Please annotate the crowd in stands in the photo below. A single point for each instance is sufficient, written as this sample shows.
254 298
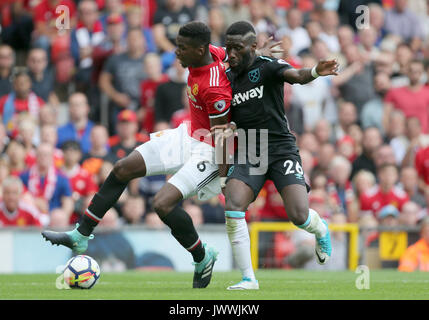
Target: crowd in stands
363 135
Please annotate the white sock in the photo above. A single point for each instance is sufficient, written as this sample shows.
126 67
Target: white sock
314 224
236 227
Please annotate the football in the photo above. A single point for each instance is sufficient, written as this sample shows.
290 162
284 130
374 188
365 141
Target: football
81 272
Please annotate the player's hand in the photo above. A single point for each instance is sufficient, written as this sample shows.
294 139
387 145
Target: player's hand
327 68
221 132
268 49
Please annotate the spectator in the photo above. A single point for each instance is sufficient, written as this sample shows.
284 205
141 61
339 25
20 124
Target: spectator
17 24
16 157
181 115
403 58
324 157
128 137
376 20
81 181
314 96
166 22
409 215
79 126
13 210
384 193
146 114
93 160
134 20
258 17
295 30
168 95
21 99
372 140
401 21
410 183
412 100
87 35
133 210
396 135
42 75
235 12
416 257
48 134
355 83
355 132
323 131
347 116
49 187
217 26
45 16
363 180
330 22
339 186
112 8
114 43
314 29
308 142
367 40
121 77
27 132
384 155
372 111
345 37
7 60
388 216
422 167
3 139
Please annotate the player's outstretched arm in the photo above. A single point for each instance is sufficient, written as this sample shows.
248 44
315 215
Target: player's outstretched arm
303 76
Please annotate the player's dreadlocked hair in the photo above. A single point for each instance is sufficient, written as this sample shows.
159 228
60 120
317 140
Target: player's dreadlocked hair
241 28
197 31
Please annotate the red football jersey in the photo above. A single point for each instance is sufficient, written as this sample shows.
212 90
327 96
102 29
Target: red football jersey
81 181
374 199
210 94
25 215
422 164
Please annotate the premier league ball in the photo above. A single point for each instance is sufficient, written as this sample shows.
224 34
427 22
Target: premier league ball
81 272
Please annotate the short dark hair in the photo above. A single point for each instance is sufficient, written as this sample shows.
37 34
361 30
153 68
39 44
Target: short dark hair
71 144
240 28
199 32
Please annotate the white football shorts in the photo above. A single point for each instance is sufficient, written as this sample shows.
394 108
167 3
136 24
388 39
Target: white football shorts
191 162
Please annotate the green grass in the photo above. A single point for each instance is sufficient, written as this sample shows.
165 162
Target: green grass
274 285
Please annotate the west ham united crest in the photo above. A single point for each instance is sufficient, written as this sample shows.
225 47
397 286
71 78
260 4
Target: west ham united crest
254 75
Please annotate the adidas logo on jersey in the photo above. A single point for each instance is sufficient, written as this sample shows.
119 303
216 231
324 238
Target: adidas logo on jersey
250 94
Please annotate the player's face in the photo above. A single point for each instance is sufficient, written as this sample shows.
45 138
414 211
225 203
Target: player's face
187 54
239 52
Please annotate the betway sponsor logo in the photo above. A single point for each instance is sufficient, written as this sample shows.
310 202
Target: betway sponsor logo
250 94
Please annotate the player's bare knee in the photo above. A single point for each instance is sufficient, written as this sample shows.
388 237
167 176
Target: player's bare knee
298 213
161 205
121 171
234 204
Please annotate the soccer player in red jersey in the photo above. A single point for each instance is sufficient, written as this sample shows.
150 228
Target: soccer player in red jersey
186 152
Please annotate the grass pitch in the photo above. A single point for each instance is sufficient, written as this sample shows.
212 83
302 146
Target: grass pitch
274 285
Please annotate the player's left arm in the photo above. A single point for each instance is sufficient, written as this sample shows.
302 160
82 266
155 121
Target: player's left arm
306 75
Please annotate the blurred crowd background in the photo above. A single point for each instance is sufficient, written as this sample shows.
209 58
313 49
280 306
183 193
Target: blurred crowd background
82 83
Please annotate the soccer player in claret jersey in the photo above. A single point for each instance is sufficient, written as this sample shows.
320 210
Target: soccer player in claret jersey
257 83
186 152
